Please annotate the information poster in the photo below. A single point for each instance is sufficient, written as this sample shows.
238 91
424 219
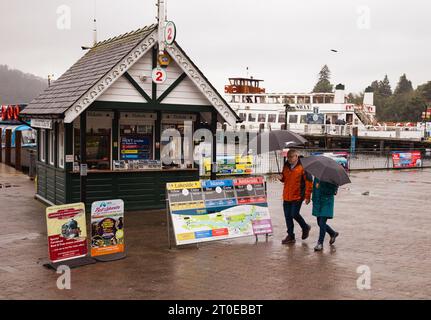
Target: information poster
250 190
226 209
407 159
219 194
136 147
107 227
186 198
67 233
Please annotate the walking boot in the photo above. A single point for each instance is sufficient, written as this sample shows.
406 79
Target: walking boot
306 232
288 240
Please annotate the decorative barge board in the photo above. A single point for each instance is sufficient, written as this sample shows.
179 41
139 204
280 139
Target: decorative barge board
110 94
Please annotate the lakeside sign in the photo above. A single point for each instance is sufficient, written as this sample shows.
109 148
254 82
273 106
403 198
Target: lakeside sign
67 232
211 210
107 227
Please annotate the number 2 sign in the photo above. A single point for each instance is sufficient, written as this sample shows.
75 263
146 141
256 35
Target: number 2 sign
170 32
159 75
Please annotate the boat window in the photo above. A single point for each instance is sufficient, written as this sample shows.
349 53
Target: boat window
281 117
251 117
303 118
261 117
293 118
243 116
28 137
272 118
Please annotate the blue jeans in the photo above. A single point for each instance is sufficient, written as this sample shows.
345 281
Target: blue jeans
324 228
291 211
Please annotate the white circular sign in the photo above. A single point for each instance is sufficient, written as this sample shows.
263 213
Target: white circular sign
159 75
218 190
185 192
249 187
315 117
170 32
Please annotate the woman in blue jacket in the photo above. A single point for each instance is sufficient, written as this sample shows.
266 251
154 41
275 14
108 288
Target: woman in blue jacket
323 209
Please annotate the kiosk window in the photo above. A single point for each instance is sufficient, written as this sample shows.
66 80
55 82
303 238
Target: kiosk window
51 146
98 147
42 150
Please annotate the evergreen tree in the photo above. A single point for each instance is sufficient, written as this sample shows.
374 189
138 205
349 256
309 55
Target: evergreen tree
404 85
385 87
324 84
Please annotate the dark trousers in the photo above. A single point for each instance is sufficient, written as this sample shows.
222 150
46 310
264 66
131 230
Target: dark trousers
324 228
291 212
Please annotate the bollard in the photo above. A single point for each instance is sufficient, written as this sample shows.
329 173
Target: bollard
18 150
8 140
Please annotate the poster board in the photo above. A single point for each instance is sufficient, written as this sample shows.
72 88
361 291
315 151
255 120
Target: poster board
224 209
411 159
107 227
67 232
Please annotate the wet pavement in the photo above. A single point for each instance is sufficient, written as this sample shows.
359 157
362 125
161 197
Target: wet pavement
384 223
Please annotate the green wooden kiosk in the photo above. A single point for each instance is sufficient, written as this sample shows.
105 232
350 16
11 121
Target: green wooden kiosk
105 115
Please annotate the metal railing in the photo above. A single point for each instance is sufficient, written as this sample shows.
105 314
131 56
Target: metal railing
362 159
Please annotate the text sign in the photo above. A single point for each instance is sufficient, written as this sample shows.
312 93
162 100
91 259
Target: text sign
107 227
41 123
159 75
170 33
67 232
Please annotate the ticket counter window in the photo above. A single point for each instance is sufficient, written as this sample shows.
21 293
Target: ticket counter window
98 138
136 142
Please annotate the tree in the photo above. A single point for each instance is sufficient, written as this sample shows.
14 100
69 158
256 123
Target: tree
404 85
425 90
323 84
385 87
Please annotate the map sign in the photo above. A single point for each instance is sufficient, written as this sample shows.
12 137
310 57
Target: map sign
107 227
67 233
218 209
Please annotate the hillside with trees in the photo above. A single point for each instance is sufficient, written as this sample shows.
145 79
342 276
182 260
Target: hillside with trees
17 87
404 104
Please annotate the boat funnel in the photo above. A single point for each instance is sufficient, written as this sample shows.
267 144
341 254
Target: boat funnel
339 93
369 97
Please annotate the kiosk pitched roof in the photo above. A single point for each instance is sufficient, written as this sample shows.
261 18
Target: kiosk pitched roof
85 73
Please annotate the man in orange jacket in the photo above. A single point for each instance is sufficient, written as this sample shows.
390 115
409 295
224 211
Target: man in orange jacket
298 186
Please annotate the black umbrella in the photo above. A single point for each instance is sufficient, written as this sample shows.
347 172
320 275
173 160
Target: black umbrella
325 169
275 140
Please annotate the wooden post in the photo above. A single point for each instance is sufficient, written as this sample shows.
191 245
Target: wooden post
214 146
8 145
18 150
83 154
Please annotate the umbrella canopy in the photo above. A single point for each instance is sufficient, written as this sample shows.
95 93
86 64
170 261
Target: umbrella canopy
275 140
325 169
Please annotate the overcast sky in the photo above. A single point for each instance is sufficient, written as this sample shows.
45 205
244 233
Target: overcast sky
283 42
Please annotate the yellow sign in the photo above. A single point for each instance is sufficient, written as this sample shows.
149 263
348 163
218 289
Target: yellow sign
183 185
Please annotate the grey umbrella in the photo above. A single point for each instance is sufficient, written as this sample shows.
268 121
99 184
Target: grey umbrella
275 140
325 169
